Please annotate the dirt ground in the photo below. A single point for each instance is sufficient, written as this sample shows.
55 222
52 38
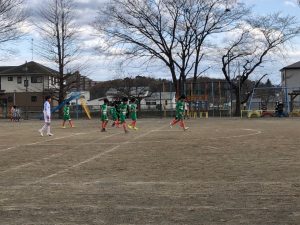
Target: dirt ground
220 171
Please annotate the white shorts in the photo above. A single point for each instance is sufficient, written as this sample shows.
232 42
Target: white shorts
47 120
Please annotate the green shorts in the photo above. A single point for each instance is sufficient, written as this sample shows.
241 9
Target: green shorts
122 118
179 116
104 118
67 118
133 116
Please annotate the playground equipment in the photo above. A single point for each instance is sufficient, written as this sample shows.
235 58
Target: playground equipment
85 107
268 102
74 96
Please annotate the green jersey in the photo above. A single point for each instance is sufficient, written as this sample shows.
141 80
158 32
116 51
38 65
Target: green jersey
123 112
104 112
179 109
133 108
66 112
113 113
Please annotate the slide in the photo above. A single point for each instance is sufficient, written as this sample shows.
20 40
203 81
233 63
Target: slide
85 107
75 96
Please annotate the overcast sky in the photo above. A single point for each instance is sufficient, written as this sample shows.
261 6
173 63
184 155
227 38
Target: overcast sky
100 68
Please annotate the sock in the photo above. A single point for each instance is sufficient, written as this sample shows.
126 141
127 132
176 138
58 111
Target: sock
133 123
44 128
48 129
181 124
174 122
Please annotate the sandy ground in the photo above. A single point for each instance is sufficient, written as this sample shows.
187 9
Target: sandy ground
220 171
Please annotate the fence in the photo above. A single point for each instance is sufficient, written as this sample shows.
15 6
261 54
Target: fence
212 98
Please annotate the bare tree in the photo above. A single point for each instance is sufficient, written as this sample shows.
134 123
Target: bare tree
173 32
259 39
59 40
12 16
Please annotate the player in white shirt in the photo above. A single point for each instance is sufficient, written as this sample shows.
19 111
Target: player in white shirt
47 117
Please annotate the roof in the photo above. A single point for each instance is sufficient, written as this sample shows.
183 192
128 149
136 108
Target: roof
163 95
32 69
3 68
292 66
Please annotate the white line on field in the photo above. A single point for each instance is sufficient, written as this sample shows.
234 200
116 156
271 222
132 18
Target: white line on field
40 142
89 159
31 163
46 158
75 165
256 132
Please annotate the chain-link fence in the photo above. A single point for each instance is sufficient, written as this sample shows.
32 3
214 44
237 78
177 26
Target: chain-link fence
209 98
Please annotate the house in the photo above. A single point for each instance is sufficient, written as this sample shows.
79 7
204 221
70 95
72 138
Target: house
153 102
26 86
290 76
77 82
290 79
128 91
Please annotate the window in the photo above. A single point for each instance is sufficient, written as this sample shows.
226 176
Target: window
166 102
36 79
33 98
10 99
10 78
19 80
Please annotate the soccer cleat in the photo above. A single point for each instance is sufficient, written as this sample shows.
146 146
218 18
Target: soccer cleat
130 126
103 130
171 126
49 134
41 132
63 127
186 128
135 128
126 131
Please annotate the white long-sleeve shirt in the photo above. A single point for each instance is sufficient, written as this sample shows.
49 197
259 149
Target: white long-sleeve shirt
47 109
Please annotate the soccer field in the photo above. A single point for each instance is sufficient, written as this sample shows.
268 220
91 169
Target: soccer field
220 171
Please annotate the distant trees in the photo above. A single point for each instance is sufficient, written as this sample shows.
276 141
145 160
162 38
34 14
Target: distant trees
12 16
175 33
59 40
255 42
129 87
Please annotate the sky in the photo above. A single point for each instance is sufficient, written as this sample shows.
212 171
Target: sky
98 67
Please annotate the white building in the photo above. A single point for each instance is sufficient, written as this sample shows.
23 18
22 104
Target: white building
290 78
26 86
166 99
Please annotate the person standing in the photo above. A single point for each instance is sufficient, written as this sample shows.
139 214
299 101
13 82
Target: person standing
114 115
179 113
47 117
133 107
123 112
67 115
104 117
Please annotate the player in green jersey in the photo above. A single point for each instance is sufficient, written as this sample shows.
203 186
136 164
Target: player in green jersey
123 108
133 107
114 114
104 117
67 115
179 113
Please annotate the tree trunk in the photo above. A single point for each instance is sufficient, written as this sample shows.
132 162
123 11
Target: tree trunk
238 102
